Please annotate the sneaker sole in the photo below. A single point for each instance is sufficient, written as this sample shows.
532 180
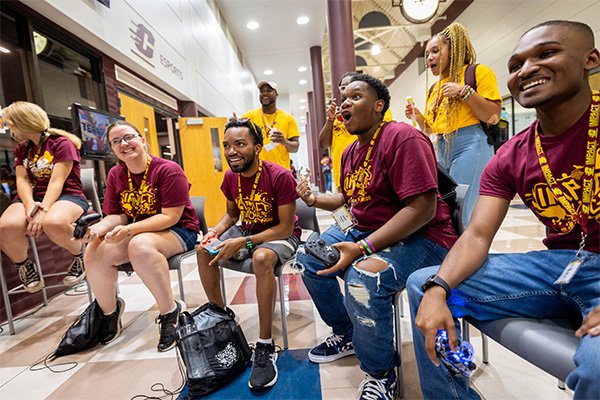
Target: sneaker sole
36 288
72 281
119 326
268 384
326 359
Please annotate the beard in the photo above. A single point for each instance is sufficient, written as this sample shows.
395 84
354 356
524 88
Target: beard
266 102
241 168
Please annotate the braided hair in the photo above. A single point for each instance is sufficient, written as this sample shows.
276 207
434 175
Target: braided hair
461 53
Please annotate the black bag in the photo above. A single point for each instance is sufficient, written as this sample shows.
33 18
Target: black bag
497 134
82 334
219 350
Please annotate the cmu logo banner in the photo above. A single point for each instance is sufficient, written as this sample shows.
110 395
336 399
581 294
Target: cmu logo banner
143 40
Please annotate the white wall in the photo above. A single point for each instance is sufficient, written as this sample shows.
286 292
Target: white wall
206 69
495 27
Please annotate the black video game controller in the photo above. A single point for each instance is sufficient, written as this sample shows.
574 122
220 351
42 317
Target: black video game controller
316 247
459 362
82 224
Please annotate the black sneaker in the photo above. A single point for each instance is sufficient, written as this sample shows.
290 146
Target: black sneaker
167 325
378 389
110 327
334 347
76 272
264 369
31 280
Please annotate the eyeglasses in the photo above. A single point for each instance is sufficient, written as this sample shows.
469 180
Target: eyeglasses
125 138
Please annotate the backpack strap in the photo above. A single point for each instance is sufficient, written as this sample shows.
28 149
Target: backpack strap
470 76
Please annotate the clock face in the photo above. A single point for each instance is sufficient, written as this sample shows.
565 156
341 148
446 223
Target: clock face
419 11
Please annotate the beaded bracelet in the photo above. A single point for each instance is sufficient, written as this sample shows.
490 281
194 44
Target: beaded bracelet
468 92
361 247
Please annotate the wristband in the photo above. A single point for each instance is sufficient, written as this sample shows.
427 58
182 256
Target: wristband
435 280
313 203
362 249
370 245
249 244
128 230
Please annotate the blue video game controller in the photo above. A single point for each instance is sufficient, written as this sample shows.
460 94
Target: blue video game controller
459 362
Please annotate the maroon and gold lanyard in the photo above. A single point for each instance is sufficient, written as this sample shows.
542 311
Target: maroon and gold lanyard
252 193
142 184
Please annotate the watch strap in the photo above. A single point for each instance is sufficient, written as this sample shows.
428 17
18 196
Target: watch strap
435 280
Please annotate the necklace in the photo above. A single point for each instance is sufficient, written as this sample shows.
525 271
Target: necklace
268 126
241 202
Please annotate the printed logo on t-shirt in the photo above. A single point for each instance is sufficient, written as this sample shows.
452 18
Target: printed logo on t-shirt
543 202
356 183
139 202
256 210
42 167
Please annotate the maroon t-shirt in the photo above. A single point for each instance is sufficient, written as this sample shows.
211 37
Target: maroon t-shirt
403 164
166 186
40 164
276 187
516 169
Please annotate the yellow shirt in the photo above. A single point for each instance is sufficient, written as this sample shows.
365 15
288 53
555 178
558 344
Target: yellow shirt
285 123
486 87
340 139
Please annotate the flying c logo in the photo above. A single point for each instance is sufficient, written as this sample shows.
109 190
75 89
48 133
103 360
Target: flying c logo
143 40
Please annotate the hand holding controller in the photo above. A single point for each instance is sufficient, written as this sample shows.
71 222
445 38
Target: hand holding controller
210 246
459 362
316 247
83 223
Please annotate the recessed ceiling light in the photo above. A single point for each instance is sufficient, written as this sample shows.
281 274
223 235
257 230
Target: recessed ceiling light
303 107
302 68
375 50
302 20
302 100
4 50
268 72
302 82
252 25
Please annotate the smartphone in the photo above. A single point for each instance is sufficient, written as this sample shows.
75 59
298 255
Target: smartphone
210 247
34 210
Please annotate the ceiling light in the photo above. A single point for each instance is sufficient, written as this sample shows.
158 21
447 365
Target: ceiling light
302 68
302 100
303 107
302 82
302 20
252 25
4 50
375 50
268 72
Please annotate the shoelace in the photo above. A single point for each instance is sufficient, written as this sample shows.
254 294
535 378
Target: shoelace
76 267
373 389
28 274
262 356
333 340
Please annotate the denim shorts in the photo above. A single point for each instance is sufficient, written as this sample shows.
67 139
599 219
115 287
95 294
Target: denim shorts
80 201
187 237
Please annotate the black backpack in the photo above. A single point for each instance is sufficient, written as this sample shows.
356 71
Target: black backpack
497 134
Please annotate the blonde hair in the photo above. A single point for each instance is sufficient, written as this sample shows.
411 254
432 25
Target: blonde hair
461 53
32 118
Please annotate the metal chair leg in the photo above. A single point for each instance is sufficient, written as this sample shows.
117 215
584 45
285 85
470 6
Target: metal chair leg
561 385
485 349
5 296
283 316
180 277
223 294
401 306
398 339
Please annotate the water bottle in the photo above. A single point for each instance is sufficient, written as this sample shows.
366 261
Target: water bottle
192 350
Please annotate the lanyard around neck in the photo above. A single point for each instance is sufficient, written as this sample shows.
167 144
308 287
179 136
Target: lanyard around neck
267 127
587 181
252 193
143 183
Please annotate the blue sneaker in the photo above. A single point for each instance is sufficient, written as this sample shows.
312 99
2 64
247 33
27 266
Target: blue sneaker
378 389
333 348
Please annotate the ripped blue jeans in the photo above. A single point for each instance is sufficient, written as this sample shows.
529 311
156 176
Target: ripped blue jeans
366 312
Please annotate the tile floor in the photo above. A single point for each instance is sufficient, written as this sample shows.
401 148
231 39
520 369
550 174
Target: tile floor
131 365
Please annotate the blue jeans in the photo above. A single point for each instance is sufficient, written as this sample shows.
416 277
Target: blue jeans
328 180
366 312
516 285
464 154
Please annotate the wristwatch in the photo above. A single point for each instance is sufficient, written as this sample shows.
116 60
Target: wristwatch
249 244
435 280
